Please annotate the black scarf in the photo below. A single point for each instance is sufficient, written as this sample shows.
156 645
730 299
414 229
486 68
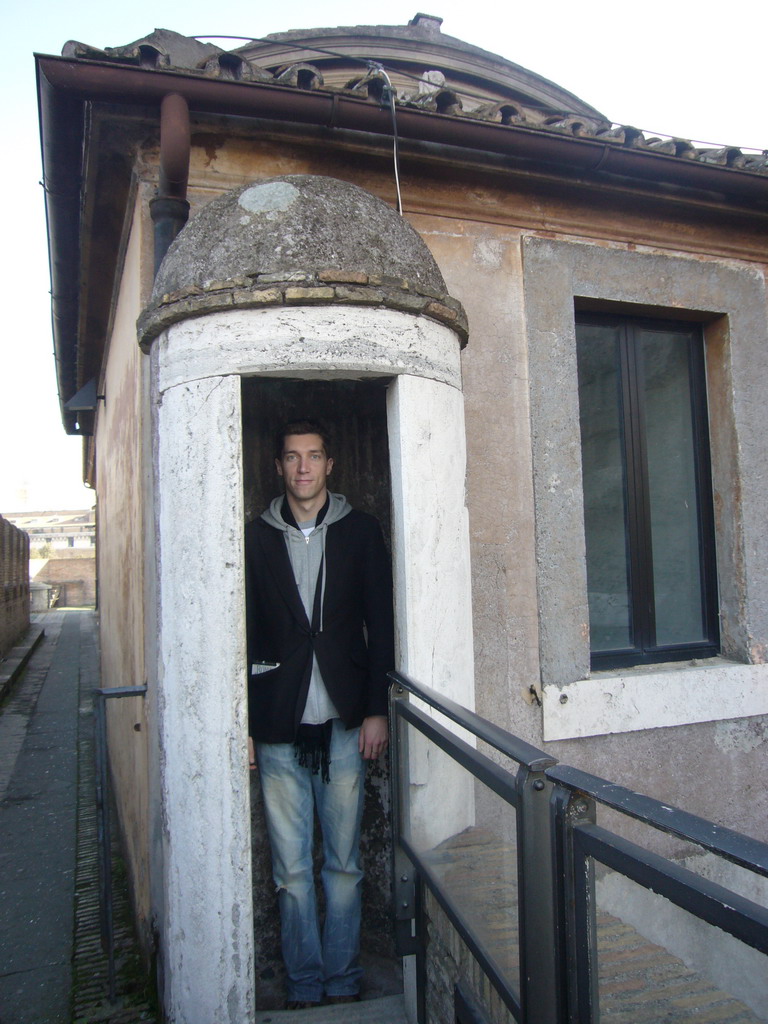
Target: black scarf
312 748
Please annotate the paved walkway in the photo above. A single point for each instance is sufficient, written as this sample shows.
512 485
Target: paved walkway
37 823
639 982
52 968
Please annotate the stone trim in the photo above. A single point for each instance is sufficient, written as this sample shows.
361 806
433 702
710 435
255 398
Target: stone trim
314 341
299 288
711 690
730 300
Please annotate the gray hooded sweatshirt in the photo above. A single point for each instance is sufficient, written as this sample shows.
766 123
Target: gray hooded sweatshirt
306 550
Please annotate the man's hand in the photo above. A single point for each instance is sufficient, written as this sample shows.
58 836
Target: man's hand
374 737
251 755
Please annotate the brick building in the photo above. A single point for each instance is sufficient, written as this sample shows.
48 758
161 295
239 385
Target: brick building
57 530
62 552
14 575
71 575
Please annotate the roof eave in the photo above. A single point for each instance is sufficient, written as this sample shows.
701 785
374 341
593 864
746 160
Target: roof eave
65 85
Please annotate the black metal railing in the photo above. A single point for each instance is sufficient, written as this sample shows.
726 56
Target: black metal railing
548 812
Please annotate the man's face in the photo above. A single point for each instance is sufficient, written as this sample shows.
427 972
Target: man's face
304 466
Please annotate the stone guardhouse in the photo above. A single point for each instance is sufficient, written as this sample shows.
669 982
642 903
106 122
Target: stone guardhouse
563 305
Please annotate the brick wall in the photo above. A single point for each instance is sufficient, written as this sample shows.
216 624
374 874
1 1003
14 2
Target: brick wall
14 577
73 573
450 963
473 867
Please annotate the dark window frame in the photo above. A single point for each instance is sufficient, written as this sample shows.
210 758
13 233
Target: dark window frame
645 649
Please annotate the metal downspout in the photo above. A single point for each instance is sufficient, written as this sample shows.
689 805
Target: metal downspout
170 209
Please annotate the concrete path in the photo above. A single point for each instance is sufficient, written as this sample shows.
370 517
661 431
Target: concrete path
387 1010
53 969
38 787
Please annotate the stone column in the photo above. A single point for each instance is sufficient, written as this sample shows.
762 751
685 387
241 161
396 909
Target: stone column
207 927
433 587
433 611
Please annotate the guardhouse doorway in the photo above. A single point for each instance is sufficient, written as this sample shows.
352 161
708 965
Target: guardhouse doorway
380 360
355 414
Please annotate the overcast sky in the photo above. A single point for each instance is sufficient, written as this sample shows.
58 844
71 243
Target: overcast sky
673 67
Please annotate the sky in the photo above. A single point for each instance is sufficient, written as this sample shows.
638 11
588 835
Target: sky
696 70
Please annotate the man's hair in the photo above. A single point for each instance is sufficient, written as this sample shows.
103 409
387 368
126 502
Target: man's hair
301 427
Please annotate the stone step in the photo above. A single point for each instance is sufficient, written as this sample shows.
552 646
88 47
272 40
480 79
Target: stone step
387 1010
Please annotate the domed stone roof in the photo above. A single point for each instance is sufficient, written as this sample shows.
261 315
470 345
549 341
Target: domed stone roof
297 240
294 223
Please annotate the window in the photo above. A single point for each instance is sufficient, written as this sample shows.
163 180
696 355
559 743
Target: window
647 491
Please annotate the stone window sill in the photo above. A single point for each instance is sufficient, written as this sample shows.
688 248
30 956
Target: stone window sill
655 697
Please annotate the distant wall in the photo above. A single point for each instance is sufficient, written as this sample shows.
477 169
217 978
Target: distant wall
73 573
14 575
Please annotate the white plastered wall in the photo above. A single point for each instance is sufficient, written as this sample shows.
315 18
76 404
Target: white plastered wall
198 365
432 585
208 941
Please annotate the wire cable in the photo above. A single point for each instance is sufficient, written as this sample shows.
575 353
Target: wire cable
378 69
372 66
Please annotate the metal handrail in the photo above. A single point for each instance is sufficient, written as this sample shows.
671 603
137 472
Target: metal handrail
493 775
558 843
409 859
535 992
707 900
503 741
732 846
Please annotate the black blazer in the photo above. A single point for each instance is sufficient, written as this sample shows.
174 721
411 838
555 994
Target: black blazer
357 603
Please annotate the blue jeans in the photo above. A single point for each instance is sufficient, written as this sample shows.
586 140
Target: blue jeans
330 965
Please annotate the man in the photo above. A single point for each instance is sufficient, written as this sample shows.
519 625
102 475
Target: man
320 642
